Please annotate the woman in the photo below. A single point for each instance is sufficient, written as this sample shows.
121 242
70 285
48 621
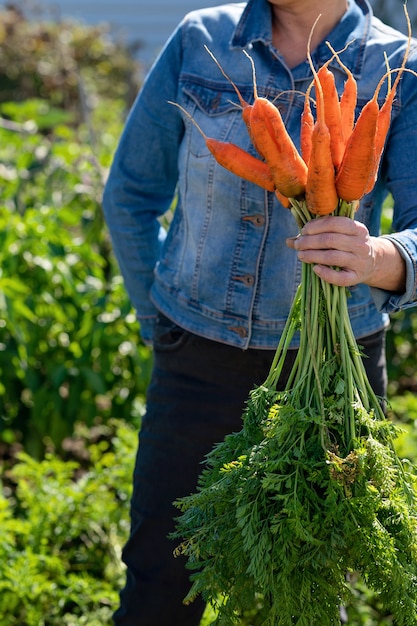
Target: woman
213 294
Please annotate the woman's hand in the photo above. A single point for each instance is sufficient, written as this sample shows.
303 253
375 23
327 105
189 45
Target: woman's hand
342 243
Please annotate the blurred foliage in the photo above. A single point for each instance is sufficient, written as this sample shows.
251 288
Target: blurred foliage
71 360
62 525
69 342
67 63
402 352
69 346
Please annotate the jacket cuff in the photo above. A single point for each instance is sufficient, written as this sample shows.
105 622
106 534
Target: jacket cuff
392 302
146 325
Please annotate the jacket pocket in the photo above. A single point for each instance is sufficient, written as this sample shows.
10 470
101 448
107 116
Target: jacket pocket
168 337
215 108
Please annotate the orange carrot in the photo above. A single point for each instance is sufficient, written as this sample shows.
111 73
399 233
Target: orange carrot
242 163
384 121
283 199
321 195
359 158
272 141
348 99
246 107
235 159
287 167
332 115
384 116
307 123
363 175
383 124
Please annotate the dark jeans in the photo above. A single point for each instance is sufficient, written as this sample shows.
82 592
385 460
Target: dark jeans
195 398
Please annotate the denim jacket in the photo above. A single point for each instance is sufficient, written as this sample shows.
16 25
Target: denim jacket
222 270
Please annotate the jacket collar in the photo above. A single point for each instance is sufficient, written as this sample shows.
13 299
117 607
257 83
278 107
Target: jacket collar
255 25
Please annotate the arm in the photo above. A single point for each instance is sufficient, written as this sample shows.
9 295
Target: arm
331 242
142 181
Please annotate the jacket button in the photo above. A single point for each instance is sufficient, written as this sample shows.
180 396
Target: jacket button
239 330
257 220
248 279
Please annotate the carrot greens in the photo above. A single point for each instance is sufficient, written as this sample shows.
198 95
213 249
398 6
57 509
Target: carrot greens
310 489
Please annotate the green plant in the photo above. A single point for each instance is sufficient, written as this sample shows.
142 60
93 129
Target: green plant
310 489
69 64
69 347
62 525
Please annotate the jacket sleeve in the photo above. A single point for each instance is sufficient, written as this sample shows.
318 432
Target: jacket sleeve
142 180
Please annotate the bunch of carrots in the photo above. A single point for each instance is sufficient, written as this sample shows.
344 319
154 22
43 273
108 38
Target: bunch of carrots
310 493
338 159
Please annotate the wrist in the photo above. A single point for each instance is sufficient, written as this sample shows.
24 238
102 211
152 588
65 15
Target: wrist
389 268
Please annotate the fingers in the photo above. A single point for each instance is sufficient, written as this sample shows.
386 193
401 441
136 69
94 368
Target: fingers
339 233
339 248
334 224
342 277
